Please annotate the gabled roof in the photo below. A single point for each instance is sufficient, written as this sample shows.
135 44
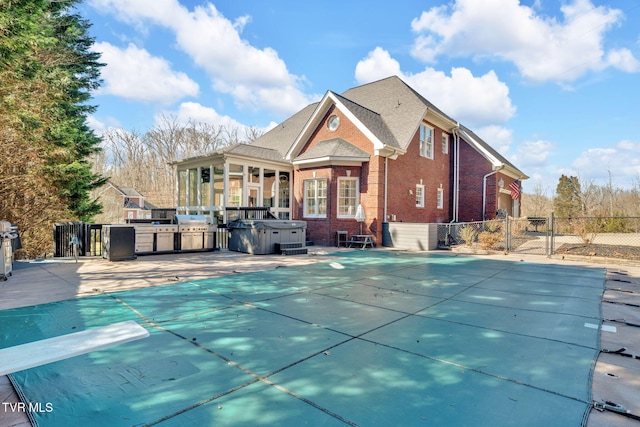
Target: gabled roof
281 137
125 191
496 159
371 120
388 112
355 113
401 107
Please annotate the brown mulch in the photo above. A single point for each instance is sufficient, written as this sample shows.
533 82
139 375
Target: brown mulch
607 251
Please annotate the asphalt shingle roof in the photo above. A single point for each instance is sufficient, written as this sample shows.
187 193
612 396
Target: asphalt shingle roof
334 148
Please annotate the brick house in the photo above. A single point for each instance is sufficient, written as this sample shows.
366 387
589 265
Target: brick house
121 204
380 145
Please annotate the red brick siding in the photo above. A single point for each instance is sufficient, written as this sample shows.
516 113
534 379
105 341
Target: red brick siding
407 171
403 175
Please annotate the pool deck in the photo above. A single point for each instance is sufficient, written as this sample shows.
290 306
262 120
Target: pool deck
615 379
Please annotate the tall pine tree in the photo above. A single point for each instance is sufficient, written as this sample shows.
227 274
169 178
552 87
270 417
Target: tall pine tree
47 73
567 202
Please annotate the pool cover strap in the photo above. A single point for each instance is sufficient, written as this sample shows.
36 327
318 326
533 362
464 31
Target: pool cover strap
614 407
621 352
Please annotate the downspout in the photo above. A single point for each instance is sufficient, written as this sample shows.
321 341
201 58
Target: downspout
484 190
456 173
386 174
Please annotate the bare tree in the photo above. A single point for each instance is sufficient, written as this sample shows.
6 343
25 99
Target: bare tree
143 161
538 203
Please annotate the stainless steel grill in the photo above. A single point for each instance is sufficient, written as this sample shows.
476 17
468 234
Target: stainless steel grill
192 229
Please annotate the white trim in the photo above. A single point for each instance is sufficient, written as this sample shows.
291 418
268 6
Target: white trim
321 110
357 181
304 197
480 149
420 203
335 161
433 132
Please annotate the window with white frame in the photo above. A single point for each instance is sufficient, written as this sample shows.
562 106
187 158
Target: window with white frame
419 196
445 143
426 141
347 197
440 199
315 198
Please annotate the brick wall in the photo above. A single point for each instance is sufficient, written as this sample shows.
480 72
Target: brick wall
322 231
411 169
403 175
473 168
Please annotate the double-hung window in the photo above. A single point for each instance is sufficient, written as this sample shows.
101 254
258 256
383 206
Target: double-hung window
445 143
440 200
426 141
315 198
419 196
347 197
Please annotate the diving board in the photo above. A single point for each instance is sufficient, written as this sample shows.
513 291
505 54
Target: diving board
25 356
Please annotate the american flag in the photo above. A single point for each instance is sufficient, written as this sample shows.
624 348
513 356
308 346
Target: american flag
515 190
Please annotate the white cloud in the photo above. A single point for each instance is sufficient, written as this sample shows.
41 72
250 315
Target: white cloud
197 113
377 65
473 101
624 60
256 78
498 137
629 146
622 161
133 73
543 48
95 124
533 153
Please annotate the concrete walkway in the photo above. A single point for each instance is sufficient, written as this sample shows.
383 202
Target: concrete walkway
616 378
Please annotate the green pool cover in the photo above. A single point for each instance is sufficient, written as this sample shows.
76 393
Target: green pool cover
372 338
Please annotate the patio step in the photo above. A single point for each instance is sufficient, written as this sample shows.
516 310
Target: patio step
290 249
294 251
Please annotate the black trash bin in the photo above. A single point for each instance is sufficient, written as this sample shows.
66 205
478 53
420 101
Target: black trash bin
118 242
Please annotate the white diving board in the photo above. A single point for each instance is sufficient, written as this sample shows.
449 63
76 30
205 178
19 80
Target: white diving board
25 356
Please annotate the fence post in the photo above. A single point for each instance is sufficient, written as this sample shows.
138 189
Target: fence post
507 234
551 232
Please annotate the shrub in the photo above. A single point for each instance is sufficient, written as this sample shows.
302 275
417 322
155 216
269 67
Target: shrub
468 234
488 239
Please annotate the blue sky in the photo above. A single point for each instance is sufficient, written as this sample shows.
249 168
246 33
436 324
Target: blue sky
554 86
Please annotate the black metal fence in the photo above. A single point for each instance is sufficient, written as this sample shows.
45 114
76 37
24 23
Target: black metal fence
67 233
608 237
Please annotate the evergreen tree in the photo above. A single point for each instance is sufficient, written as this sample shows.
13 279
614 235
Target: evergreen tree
567 202
46 75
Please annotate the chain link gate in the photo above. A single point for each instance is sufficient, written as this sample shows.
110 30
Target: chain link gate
530 235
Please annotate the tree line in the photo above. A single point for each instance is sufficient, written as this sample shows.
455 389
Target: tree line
47 73
575 197
143 160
